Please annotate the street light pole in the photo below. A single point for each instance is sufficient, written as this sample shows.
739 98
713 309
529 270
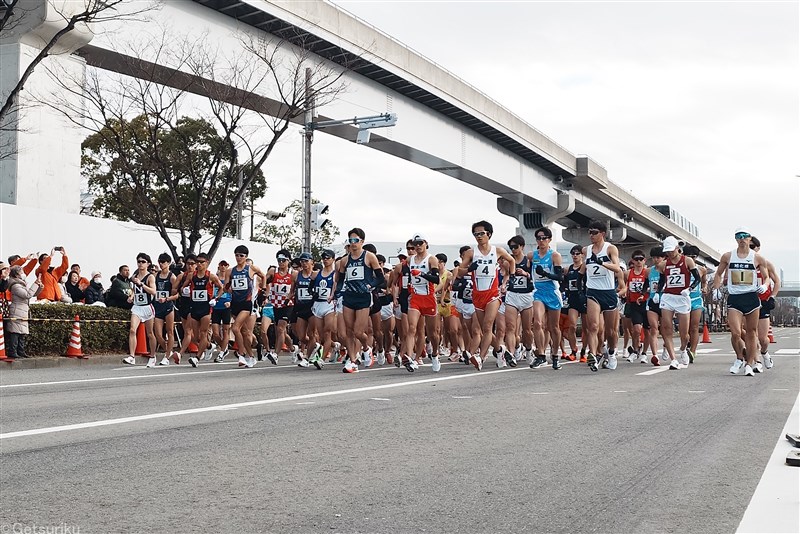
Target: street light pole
308 137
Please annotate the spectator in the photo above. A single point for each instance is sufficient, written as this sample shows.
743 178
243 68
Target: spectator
83 283
28 264
177 267
73 288
50 276
120 290
95 292
5 296
17 329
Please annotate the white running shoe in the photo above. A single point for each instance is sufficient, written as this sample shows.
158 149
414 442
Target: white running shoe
529 356
130 360
768 363
664 355
684 359
643 358
632 357
151 363
499 360
737 366
381 358
758 368
215 354
221 356
242 360
436 365
476 361
250 361
295 357
302 362
612 362
674 365
350 367
367 355
748 371
193 361
164 361
518 353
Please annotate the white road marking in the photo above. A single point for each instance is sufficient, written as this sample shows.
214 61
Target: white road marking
620 391
787 351
774 505
540 393
697 391
461 397
191 411
379 399
707 351
312 402
654 371
780 390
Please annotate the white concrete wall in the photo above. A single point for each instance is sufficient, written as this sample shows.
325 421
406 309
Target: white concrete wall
96 244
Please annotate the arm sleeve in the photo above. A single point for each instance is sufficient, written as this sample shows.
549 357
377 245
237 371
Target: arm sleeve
431 276
696 279
662 281
380 278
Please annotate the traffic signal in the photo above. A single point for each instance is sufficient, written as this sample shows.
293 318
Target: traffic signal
318 221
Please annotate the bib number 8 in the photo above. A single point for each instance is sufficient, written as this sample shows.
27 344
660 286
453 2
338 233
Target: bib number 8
140 299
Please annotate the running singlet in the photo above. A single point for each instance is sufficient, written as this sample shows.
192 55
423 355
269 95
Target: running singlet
279 291
140 298
521 284
484 278
597 276
637 286
323 286
463 289
241 285
678 276
163 290
420 286
201 293
742 276
302 291
573 282
358 278
768 293
542 283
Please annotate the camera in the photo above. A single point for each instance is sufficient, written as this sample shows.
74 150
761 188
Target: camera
60 249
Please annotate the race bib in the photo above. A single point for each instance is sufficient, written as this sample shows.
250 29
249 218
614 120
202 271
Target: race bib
572 285
200 295
406 281
520 282
303 293
281 289
468 293
324 292
741 277
162 294
355 273
239 284
594 270
140 299
676 278
636 287
420 285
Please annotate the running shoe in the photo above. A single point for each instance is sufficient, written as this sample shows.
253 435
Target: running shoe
664 355
193 361
538 361
643 358
632 357
164 361
691 355
604 361
748 371
130 360
768 363
429 349
758 368
454 357
510 360
367 357
684 358
499 361
259 352
476 361
611 362
582 359
556 364
272 357
302 362
381 357
654 360
176 357
572 356
436 365
674 365
591 361
151 363
295 354
737 366
221 357
215 354
398 361
350 367
242 361
250 362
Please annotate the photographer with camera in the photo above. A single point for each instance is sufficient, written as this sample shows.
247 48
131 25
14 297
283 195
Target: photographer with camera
51 276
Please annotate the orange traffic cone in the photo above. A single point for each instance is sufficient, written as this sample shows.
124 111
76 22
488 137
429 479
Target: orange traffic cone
706 335
769 333
74 344
141 342
3 343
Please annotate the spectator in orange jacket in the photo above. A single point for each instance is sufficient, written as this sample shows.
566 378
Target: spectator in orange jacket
51 276
27 263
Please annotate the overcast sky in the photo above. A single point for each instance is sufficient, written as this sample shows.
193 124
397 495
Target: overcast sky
691 104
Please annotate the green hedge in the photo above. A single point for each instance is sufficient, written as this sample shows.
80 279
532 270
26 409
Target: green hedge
51 337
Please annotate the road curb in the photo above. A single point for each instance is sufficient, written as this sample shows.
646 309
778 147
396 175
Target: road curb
49 362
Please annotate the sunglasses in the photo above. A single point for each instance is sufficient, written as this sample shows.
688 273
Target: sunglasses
281 260
142 261
326 257
202 261
742 235
513 247
353 239
190 263
594 232
638 258
542 238
418 243
478 234
240 255
576 253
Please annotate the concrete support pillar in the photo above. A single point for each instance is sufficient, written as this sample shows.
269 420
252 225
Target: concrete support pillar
530 221
40 167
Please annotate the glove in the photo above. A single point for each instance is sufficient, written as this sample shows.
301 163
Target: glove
212 302
656 298
593 258
685 292
763 288
472 267
540 270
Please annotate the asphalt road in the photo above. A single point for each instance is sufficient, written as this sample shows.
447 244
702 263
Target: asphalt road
284 449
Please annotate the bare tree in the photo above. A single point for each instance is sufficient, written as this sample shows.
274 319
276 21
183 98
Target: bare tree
232 86
14 13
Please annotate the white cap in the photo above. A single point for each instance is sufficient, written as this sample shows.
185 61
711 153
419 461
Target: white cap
418 237
671 243
742 230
